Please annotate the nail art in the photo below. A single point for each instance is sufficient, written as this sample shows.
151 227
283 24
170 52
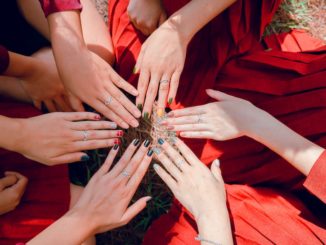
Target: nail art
115 147
84 158
146 143
170 101
120 133
146 115
140 107
150 153
135 142
156 150
160 141
117 142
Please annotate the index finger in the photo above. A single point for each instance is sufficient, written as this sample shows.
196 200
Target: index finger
190 111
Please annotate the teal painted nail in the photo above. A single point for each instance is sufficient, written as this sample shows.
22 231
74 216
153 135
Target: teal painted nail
170 101
160 141
140 107
146 115
84 158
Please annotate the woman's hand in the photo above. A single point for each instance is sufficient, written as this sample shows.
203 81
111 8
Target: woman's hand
12 188
43 83
58 138
228 118
160 64
146 15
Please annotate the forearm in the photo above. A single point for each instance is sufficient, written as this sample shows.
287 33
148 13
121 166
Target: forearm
298 151
11 87
19 65
203 11
10 129
70 229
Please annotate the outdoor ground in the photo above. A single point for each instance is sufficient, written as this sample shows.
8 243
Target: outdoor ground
307 14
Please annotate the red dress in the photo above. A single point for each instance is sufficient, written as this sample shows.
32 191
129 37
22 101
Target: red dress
267 201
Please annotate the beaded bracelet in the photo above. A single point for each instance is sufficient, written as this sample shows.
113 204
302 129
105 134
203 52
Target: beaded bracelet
200 239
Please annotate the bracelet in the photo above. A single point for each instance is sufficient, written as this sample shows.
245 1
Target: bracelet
200 239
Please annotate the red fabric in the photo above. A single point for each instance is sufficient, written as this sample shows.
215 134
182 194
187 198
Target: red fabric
318 172
47 195
264 192
53 6
4 59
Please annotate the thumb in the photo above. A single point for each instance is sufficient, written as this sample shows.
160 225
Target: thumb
218 95
216 171
135 209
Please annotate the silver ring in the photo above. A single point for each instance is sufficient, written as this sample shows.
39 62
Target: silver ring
85 135
108 101
199 119
164 81
125 174
179 163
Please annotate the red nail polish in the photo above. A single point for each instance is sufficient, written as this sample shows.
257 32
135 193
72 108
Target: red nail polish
120 133
117 142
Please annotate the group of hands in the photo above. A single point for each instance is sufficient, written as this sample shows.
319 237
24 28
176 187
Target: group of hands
58 138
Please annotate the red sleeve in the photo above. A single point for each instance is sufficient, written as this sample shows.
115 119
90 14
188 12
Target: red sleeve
316 180
52 6
4 59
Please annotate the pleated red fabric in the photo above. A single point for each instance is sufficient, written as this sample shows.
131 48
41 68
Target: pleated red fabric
284 75
47 195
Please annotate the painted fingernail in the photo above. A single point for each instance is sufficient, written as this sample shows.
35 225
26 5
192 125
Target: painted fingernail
156 150
160 112
146 115
117 142
84 158
170 101
140 107
150 153
134 70
170 114
135 142
170 127
160 141
155 166
146 143
120 133
217 163
97 117
115 147
147 199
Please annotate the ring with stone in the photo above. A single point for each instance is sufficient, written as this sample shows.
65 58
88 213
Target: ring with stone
164 81
108 101
85 135
126 174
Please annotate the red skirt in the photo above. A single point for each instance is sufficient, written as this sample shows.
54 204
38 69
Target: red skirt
47 194
267 201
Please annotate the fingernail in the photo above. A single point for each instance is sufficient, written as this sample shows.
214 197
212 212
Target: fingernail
97 117
115 147
170 114
140 107
156 150
217 163
84 158
135 123
120 133
163 123
146 143
170 101
173 140
117 142
160 112
155 166
134 70
150 153
148 199
160 141
124 125
135 142
146 115
170 127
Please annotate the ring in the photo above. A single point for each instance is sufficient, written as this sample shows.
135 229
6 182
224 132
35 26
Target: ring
164 81
199 119
108 101
179 163
125 174
85 135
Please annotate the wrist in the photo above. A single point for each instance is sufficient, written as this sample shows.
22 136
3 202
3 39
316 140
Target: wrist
174 23
10 139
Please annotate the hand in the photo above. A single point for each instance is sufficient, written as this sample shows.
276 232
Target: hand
104 203
228 118
58 138
200 190
43 83
160 63
12 188
146 15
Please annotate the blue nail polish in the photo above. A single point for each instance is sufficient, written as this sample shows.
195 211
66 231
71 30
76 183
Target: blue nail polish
150 153
84 158
146 143
135 142
160 141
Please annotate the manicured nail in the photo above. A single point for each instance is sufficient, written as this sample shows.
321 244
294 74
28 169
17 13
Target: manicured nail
140 107
150 153
146 143
148 199
134 123
135 142
84 158
217 163
156 150
170 101
160 141
115 147
120 133
156 166
160 112
97 117
170 114
146 115
170 127
117 142
134 70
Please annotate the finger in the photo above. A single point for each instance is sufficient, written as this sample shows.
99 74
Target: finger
168 180
142 87
93 144
121 83
140 172
100 107
109 160
16 174
70 158
180 120
75 103
174 84
215 168
163 94
61 104
197 134
50 106
186 152
189 127
124 101
90 125
218 95
151 95
190 111
96 134
170 167
7 181
134 209
20 185
80 116
37 104
140 60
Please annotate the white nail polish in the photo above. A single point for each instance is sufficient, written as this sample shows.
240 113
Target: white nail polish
217 163
155 166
